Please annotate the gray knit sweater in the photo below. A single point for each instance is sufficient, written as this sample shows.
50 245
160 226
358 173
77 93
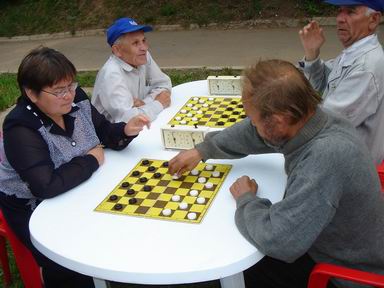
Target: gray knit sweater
332 208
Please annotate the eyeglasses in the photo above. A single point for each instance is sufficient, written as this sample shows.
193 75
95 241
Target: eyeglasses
63 92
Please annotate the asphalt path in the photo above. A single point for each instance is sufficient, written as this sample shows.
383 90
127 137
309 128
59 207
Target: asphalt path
183 49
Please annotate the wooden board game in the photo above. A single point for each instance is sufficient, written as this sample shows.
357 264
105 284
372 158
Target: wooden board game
149 191
214 112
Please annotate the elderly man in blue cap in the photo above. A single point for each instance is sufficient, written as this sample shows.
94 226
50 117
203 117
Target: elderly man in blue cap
130 82
352 84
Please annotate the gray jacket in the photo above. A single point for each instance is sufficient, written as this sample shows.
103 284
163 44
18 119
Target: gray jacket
354 88
332 208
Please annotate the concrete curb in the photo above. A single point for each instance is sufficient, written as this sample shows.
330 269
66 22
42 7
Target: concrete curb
250 24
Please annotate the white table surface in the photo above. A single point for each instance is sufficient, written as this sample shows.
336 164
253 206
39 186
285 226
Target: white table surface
148 251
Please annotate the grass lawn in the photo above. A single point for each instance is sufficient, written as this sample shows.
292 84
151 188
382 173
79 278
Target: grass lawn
48 16
9 92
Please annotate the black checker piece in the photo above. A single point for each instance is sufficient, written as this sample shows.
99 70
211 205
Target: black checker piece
135 173
130 192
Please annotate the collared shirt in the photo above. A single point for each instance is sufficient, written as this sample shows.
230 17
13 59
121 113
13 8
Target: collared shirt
353 86
350 53
118 84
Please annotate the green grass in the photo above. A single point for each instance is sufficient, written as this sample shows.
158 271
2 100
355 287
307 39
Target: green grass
49 16
16 280
9 91
314 7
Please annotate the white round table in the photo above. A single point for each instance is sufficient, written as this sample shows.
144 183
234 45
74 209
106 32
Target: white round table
148 251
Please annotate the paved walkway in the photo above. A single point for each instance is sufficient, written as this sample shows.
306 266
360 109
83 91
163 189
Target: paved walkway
180 49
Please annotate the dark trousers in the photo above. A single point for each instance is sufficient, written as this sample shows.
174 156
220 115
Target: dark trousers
273 273
17 214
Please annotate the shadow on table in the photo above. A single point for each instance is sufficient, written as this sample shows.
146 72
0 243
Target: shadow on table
209 284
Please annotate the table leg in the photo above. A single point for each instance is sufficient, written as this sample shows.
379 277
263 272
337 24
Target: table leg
233 281
100 283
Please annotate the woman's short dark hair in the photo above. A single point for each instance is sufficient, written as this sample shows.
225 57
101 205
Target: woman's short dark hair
44 67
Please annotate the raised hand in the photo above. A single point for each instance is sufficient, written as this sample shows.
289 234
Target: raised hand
312 38
136 124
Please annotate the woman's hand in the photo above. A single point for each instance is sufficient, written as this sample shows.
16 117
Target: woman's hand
98 153
136 124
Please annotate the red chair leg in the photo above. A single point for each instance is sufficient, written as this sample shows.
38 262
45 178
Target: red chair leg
4 262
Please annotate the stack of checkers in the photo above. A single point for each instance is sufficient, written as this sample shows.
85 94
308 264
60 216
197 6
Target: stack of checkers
149 191
214 112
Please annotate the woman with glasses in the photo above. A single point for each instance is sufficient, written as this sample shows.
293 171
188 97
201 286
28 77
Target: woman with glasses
52 142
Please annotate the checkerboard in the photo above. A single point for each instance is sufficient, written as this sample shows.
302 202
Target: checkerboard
214 112
155 192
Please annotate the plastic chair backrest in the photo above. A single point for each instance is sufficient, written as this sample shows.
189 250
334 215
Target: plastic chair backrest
28 268
322 273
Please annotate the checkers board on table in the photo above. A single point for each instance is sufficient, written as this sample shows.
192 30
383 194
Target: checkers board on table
149 191
214 112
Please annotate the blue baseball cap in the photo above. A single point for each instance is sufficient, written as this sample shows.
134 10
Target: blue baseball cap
122 26
377 5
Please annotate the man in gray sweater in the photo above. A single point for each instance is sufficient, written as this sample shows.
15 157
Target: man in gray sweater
332 210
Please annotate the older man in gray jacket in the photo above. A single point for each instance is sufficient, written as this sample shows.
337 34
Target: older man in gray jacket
352 84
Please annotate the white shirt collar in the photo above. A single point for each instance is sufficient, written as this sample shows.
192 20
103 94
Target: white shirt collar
359 43
350 53
123 64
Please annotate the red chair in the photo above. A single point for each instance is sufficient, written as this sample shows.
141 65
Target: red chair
28 268
380 171
322 273
4 256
